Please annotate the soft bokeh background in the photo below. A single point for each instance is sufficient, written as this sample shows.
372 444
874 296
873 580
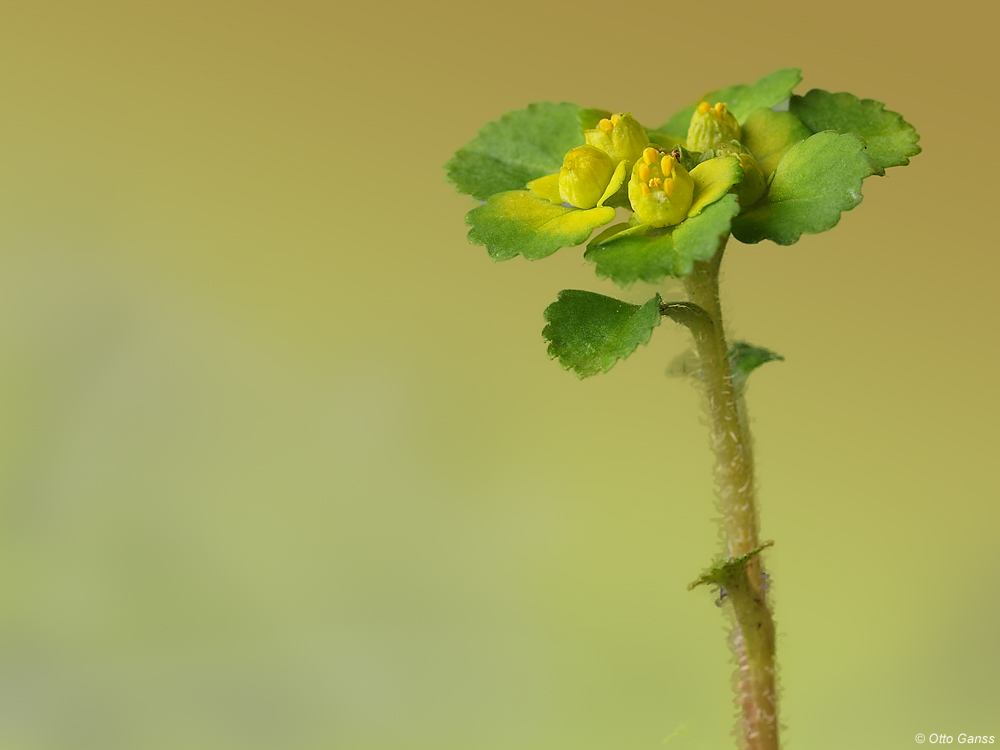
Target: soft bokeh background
284 464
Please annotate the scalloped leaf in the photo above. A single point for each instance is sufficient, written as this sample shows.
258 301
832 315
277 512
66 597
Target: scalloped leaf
744 358
521 146
640 253
769 135
518 223
816 180
741 100
891 139
588 333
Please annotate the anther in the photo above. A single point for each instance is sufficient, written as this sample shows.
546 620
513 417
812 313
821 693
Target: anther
606 125
649 155
615 119
668 186
645 188
703 108
666 164
644 172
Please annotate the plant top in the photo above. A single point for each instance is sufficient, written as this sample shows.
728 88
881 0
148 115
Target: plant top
752 161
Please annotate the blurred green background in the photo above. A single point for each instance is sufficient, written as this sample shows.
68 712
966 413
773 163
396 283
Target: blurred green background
284 463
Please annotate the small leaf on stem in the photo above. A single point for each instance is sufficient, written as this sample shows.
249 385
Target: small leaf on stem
589 332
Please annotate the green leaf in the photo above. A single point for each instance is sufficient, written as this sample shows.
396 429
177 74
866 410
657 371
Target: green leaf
521 146
641 253
741 100
518 223
768 91
674 130
728 571
698 237
712 180
769 135
891 139
816 180
744 358
589 332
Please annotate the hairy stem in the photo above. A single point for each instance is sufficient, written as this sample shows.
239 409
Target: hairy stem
753 634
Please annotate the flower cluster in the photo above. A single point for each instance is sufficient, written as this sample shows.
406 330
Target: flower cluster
660 189
754 161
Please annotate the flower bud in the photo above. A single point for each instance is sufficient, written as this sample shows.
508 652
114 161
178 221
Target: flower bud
754 183
660 190
585 175
621 137
711 126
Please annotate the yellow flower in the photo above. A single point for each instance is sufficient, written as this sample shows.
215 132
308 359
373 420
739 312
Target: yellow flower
585 175
621 137
712 126
661 190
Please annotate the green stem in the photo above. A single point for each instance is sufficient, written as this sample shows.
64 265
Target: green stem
753 634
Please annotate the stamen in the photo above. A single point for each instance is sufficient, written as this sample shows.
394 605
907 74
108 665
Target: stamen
645 188
650 154
615 119
703 108
668 186
720 107
606 125
644 172
667 165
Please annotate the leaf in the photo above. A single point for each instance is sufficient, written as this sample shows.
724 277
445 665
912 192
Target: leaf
891 139
769 135
521 146
744 358
518 223
768 91
741 100
728 571
815 181
712 180
675 129
638 253
589 332
698 237
641 253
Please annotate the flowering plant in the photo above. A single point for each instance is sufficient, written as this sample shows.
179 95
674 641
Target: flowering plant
752 161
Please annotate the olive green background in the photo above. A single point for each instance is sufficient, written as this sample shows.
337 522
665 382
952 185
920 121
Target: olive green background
284 463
